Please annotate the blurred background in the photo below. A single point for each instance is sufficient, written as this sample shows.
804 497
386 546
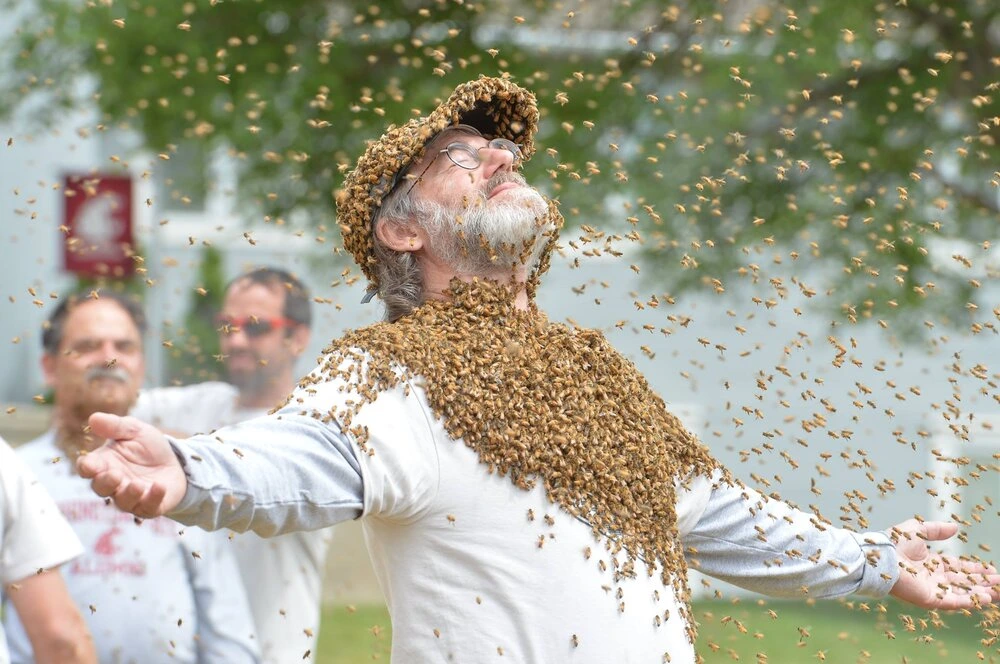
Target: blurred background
788 216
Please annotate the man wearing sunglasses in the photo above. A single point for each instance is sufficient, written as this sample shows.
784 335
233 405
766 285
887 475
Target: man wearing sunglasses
523 492
264 327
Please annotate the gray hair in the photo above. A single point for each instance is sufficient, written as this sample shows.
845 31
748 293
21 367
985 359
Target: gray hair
400 279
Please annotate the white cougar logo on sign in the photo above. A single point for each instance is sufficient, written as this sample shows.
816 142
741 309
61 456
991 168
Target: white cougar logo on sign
98 227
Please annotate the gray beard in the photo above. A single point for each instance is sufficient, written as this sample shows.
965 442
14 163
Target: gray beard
483 237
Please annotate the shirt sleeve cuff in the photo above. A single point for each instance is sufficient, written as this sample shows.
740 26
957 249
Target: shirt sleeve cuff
194 494
881 566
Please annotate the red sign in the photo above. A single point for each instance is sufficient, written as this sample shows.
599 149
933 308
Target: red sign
98 225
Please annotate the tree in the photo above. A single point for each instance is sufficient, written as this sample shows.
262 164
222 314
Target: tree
846 138
194 349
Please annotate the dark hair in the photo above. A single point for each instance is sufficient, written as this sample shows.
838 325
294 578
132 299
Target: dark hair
297 306
52 329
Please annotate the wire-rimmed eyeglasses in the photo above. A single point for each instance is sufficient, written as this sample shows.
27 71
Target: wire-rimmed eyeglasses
465 156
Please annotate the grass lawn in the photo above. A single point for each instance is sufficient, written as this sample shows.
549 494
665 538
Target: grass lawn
774 632
349 634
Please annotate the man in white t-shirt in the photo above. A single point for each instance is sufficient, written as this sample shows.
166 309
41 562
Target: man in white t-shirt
524 493
150 591
34 541
264 328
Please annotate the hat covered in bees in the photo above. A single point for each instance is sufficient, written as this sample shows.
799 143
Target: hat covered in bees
497 107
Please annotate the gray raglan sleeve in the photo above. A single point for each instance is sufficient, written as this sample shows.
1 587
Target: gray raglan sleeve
281 473
765 545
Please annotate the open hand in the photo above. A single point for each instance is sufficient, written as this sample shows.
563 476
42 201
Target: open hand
137 467
934 581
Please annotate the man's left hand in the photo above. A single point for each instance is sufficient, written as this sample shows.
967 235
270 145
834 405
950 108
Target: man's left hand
935 581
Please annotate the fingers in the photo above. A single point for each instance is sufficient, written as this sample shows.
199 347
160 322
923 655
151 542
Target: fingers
128 495
989 588
931 531
964 598
92 464
107 481
975 580
964 584
971 566
937 531
139 497
912 537
954 568
953 602
946 596
114 427
150 505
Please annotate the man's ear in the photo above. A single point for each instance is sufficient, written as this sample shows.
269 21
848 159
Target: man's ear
400 236
299 339
49 369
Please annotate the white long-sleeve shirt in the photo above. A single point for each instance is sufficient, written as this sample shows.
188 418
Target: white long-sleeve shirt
472 566
150 592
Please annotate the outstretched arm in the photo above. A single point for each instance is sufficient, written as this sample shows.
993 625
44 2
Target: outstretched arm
765 545
276 474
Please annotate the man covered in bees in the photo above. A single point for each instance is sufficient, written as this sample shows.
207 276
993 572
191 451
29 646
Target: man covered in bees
523 491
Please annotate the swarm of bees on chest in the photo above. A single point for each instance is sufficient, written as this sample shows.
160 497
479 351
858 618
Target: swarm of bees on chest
539 402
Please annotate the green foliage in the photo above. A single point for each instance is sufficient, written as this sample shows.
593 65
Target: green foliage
195 347
843 138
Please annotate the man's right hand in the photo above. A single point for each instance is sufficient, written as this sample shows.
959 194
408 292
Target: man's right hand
137 467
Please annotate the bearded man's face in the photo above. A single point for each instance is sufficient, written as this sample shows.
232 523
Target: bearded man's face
99 365
480 215
499 226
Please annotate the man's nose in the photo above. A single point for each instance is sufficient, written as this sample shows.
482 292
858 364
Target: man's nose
233 336
107 352
496 160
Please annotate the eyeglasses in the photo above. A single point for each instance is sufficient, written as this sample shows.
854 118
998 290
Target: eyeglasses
252 326
465 156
